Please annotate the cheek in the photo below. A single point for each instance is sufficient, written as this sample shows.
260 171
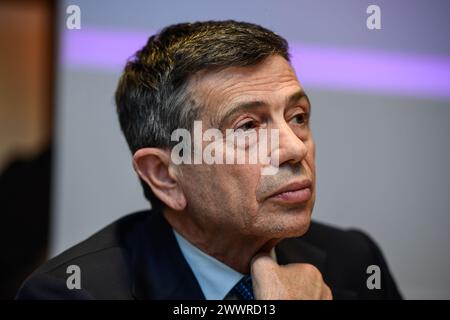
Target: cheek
241 181
199 184
311 162
230 186
311 155
238 184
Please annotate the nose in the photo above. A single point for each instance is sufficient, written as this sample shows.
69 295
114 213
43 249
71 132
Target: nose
292 149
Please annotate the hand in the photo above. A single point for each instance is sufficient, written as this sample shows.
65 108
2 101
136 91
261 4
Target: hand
296 281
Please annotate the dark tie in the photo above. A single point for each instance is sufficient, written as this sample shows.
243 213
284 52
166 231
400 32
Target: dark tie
244 289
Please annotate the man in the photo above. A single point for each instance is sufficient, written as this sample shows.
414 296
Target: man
217 230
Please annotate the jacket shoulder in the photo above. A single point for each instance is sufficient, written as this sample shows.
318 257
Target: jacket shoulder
100 261
351 255
338 240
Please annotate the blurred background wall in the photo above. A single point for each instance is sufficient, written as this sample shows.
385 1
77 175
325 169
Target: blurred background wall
26 114
381 114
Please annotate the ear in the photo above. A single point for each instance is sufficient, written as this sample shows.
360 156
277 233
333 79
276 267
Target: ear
153 165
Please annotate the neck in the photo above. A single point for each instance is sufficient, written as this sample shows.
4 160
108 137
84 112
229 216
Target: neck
228 246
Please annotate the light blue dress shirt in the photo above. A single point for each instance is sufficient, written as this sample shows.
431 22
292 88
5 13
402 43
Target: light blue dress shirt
215 278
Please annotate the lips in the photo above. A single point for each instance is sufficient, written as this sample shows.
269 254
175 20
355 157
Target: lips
294 192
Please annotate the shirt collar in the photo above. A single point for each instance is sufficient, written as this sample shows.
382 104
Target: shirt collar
215 278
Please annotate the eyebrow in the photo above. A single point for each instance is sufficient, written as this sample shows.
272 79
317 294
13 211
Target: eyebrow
251 105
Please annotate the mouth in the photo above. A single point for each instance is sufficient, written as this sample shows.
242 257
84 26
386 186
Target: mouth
294 193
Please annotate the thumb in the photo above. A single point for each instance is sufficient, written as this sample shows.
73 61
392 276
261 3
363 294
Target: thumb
262 261
262 266
262 257
264 273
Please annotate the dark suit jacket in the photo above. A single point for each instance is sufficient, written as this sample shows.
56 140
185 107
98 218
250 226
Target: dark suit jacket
137 257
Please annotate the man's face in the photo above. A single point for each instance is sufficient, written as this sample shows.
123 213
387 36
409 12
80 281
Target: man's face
236 197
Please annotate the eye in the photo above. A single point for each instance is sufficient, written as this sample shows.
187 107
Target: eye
247 126
301 118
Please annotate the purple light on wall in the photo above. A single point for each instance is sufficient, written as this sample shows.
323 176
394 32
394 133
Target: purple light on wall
100 49
332 68
371 71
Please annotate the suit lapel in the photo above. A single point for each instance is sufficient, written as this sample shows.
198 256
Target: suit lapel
159 267
298 250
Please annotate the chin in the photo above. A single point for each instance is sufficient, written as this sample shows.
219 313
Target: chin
299 229
295 225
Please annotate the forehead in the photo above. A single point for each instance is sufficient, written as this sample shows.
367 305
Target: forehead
272 80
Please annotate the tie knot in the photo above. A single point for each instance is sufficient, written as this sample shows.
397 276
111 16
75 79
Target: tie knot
244 288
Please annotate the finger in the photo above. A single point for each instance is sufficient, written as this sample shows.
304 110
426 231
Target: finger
262 263
263 271
326 293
